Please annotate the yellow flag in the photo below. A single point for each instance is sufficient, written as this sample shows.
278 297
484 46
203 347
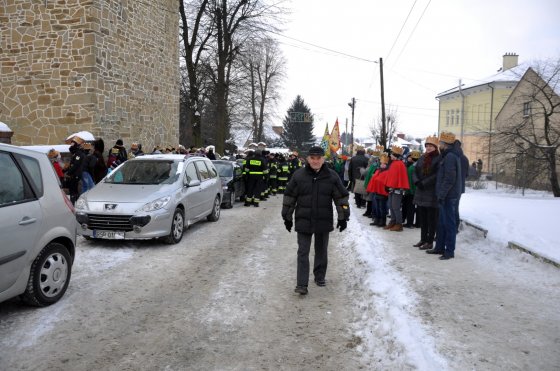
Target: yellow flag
326 141
334 141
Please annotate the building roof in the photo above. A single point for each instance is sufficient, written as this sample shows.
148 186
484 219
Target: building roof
512 75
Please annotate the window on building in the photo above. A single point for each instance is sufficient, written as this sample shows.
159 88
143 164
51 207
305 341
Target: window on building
526 109
448 118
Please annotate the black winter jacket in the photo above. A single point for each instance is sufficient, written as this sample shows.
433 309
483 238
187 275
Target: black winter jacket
311 195
425 194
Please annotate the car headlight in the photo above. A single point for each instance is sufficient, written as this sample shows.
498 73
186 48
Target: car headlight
81 204
156 204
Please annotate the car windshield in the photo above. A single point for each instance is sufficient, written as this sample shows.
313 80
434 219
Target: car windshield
146 172
224 170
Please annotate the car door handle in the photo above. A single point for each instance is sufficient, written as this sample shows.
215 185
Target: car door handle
27 220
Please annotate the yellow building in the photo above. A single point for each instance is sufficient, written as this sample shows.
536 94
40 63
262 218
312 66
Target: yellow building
470 110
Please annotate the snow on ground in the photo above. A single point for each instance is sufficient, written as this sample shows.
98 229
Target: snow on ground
394 301
530 220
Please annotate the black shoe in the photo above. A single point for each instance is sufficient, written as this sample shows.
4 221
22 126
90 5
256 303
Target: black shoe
302 290
418 244
247 204
446 257
426 246
256 204
375 222
434 251
320 282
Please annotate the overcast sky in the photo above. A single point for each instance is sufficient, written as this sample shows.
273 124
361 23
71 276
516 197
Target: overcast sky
452 40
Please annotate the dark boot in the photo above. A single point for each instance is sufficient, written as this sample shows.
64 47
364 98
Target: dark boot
426 246
375 222
302 290
418 244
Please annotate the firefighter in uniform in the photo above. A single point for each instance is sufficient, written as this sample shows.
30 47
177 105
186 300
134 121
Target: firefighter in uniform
283 173
254 170
272 174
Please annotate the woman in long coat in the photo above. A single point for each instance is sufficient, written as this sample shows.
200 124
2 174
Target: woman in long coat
424 177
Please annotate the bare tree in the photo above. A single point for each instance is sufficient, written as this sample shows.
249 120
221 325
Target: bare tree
264 66
234 22
528 126
391 124
196 33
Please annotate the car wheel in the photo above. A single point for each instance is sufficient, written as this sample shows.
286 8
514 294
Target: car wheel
215 214
231 201
49 276
177 227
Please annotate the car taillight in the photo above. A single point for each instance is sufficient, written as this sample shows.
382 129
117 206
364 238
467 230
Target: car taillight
67 202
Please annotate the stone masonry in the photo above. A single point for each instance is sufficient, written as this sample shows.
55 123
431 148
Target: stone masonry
110 67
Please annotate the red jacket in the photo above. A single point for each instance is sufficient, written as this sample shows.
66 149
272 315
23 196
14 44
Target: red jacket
397 177
377 182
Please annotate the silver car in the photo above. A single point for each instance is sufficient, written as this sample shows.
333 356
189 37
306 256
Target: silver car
37 228
149 197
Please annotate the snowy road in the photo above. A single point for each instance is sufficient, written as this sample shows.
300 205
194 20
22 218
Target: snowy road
223 299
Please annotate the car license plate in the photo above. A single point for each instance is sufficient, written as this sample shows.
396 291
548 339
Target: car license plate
111 235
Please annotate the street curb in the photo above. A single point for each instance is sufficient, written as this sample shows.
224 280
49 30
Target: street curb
514 245
517 246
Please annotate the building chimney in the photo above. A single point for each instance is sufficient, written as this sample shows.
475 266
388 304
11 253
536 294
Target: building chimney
510 61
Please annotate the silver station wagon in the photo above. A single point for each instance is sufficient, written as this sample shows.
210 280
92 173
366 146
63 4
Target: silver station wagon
149 197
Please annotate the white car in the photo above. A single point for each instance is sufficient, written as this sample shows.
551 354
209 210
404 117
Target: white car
37 228
151 196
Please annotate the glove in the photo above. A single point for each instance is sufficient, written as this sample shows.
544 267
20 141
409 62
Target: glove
289 224
341 225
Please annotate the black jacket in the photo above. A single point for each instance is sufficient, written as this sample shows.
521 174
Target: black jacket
425 194
311 194
357 162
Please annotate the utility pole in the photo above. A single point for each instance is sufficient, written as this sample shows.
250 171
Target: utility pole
346 136
352 105
383 127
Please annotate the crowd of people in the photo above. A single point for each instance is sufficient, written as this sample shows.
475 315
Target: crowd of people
400 189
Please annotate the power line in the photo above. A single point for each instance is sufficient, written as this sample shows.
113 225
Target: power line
413 30
322 47
402 27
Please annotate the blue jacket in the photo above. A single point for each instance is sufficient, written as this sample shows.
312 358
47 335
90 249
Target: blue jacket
449 176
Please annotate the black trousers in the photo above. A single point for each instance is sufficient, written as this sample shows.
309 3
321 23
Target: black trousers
428 222
409 209
321 260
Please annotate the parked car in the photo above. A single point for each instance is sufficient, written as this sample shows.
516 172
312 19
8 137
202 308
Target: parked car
233 185
149 197
37 228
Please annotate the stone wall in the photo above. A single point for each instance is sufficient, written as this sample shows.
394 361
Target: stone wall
106 66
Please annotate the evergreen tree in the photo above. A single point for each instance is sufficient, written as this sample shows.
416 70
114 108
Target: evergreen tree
298 127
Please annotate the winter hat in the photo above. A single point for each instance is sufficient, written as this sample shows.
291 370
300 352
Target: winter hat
316 151
119 142
447 137
77 140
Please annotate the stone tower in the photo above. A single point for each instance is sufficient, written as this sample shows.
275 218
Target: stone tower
110 67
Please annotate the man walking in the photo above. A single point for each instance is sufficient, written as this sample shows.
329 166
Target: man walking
310 193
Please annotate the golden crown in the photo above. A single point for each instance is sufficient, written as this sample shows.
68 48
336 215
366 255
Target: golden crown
447 137
379 148
396 150
432 140
384 159
415 155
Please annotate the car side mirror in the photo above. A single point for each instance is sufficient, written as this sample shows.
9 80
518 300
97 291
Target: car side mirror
192 183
